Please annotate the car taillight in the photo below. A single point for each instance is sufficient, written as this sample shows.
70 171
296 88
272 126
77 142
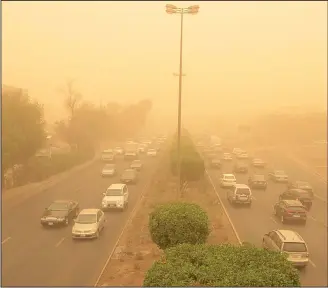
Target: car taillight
289 212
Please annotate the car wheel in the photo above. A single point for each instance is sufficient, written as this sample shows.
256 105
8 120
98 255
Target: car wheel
282 219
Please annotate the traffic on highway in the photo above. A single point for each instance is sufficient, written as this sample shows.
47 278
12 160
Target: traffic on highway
273 205
62 236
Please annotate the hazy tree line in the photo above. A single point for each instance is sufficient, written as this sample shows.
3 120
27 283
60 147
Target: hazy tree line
24 128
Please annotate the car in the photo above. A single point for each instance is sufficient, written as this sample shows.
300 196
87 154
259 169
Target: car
227 180
115 197
152 152
136 164
298 194
108 155
236 151
259 163
242 155
142 148
302 185
129 176
239 194
290 210
216 163
257 181
240 167
60 213
88 224
118 150
108 170
279 176
290 242
227 156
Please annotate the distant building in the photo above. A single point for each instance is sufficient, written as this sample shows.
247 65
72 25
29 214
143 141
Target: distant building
13 90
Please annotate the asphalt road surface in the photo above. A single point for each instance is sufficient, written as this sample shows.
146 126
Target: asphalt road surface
252 223
34 256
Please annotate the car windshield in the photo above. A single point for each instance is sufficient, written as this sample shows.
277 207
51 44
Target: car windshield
296 208
86 218
259 177
302 184
109 166
216 160
229 177
280 172
243 191
151 150
303 193
107 153
257 160
114 192
136 162
128 174
58 206
294 247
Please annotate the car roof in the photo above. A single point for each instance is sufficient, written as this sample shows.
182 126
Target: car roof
108 150
89 211
298 190
293 202
301 182
241 186
62 201
258 176
290 236
129 170
226 174
116 186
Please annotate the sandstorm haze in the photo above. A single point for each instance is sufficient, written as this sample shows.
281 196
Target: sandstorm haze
239 57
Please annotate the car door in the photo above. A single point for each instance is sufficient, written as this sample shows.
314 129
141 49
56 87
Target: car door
100 219
276 242
268 240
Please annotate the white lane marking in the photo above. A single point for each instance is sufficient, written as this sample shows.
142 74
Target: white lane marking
224 209
131 216
320 198
60 242
312 218
254 198
273 220
312 263
5 240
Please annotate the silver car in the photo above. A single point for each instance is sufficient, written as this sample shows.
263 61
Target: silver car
109 170
88 224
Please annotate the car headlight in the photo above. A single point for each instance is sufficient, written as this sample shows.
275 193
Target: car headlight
119 203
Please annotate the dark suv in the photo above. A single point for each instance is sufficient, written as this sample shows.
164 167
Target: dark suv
298 194
302 185
290 210
257 181
240 167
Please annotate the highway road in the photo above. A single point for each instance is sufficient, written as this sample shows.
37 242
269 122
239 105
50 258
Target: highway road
252 223
34 256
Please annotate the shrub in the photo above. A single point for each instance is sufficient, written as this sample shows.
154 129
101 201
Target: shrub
176 223
221 266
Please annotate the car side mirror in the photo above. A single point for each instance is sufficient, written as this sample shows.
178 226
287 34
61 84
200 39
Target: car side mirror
104 194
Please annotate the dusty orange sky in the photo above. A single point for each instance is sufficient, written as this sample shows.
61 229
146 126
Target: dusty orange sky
237 55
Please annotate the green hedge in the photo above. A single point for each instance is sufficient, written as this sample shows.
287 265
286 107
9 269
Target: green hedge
192 164
221 266
176 223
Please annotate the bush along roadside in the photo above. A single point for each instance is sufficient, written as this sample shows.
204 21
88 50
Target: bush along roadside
221 266
175 223
40 168
192 164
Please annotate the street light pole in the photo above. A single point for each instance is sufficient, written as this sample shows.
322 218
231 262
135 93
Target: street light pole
171 9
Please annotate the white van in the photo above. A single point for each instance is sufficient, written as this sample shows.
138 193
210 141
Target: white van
115 197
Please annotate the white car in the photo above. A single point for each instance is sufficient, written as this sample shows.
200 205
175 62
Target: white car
242 155
227 156
290 242
152 152
119 151
108 170
108 155
115 197
240 194
236 151
227 180
88 224
257 162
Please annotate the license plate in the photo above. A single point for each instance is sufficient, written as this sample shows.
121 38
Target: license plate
50 223
297 216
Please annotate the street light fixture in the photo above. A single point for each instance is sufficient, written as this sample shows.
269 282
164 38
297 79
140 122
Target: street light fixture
193 10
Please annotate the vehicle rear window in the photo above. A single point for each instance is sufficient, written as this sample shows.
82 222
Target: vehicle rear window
281 173
295 208
294 247
109 166
304 193
114 192
259 178
243 191
229 177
